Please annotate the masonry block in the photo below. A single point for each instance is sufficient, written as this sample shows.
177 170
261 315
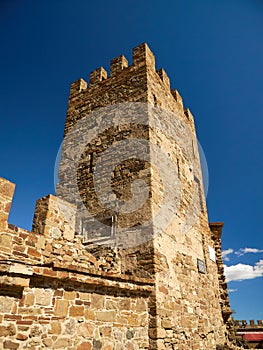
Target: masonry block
54 218
117 65
164 77
142 55
98 75
78 86
188 114
177 97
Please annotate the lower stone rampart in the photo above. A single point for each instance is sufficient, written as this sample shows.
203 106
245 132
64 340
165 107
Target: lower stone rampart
55 294
71 311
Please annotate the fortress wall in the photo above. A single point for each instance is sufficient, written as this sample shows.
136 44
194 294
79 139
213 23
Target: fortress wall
55 294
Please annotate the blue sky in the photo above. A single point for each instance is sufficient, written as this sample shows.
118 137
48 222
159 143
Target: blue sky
213 54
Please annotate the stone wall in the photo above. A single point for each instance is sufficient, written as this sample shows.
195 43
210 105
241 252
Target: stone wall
55 294
53 314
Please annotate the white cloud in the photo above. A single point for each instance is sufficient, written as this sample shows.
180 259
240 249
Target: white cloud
226 252
232 290
242 272
239 252
243 251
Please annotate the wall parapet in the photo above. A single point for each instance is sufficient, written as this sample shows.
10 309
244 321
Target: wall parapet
54 218
52 248
142 56
248 324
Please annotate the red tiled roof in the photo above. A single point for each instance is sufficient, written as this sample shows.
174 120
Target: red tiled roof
253 336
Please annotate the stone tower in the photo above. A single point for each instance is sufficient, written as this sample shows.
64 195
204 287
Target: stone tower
123 258
132 126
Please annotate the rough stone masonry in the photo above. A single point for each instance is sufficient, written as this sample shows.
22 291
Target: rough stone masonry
92 275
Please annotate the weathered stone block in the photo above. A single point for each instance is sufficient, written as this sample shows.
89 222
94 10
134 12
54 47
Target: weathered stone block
21 269
124 304
61 308
89 314
97 344
5 304
84 346
7 330
5 240
141 305
105 331
21 337
76 311
69 295
70 326
8 344
86 330
97 301
43 296
85 296
48 343
61 343
29 299
106 316
55 327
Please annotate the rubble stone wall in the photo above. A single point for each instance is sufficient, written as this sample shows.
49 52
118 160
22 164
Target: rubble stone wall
54 294
54 314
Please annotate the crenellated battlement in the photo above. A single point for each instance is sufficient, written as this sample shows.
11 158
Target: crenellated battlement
248 324
142 56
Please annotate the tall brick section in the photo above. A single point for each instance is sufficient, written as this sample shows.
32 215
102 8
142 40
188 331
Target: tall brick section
67 284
